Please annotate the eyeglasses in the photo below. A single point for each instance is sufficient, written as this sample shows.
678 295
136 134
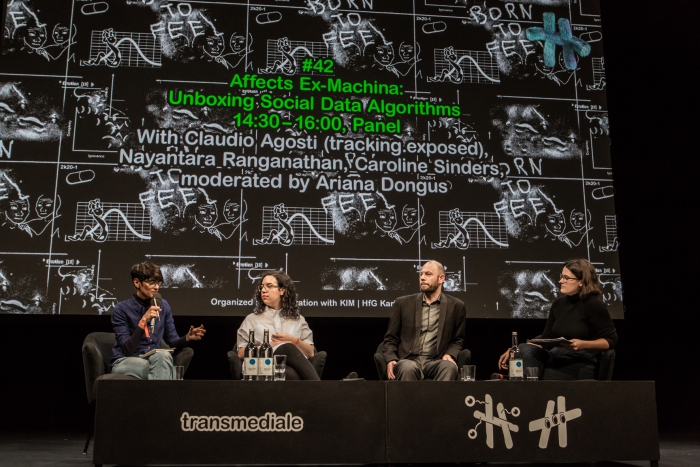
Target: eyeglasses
153 282
262 287
566 278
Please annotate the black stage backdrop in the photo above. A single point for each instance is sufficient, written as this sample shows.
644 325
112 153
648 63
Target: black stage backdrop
650 79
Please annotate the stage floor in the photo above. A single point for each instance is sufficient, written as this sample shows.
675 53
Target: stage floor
55 449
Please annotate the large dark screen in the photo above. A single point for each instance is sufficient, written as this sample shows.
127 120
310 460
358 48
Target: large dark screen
345 142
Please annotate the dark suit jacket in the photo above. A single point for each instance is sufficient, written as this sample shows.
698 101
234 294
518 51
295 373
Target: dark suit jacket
405 322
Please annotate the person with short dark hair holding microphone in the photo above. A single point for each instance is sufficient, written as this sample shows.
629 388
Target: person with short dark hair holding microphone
141 322
580 316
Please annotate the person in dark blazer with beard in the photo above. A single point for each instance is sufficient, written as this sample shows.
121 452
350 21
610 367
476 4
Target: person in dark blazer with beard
425 332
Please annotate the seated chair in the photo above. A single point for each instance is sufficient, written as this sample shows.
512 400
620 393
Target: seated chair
97 352
607 362
236 364
464 357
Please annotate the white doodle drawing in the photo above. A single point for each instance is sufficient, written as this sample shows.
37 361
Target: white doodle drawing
45 212
115 122
282 58
529 131
453 281
529 293
26 115
300 226
488 418
613 243
598 75
412 219
63 37
558 73
478 230
207 217
581 225
551 419
457 66
130 49
354 278
102 222
83 284
410 56
240 51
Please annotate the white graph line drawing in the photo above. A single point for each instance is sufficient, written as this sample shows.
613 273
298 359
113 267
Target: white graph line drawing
130 49
115 222
610 234
551 419
457 66
598 75
471 230
488 418
281 55
296 226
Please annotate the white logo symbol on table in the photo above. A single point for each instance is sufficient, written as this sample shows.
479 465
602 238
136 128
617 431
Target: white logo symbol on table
560 419
487 417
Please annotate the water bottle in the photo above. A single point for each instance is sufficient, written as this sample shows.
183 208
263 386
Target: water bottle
266 362
250 358
515 362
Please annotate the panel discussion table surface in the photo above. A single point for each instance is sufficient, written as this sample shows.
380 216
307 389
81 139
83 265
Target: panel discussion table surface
370 422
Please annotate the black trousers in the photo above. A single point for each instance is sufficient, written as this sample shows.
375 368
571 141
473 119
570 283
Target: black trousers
560 364
298 366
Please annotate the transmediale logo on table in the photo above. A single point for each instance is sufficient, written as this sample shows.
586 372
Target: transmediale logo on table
268 422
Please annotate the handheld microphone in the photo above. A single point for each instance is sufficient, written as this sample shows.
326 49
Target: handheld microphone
157 300
497 376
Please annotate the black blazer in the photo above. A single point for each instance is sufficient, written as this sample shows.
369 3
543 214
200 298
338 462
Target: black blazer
405 323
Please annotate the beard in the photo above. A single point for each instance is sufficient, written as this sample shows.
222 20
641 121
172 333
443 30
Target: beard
429 288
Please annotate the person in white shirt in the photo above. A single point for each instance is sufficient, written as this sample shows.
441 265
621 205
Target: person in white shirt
276 309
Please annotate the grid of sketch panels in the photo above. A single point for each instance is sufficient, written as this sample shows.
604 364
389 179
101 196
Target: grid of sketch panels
300 51
478 66
485 229
126 222
309 226
136 49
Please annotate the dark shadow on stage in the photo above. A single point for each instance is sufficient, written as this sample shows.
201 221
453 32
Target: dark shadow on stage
64 449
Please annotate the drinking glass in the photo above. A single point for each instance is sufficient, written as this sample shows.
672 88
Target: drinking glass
280 367
178 372
469 373
531 373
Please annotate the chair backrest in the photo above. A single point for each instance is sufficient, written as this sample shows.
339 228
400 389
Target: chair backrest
97 352
380 363
607 362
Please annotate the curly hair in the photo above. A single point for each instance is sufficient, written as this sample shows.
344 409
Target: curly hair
586 273
288 301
